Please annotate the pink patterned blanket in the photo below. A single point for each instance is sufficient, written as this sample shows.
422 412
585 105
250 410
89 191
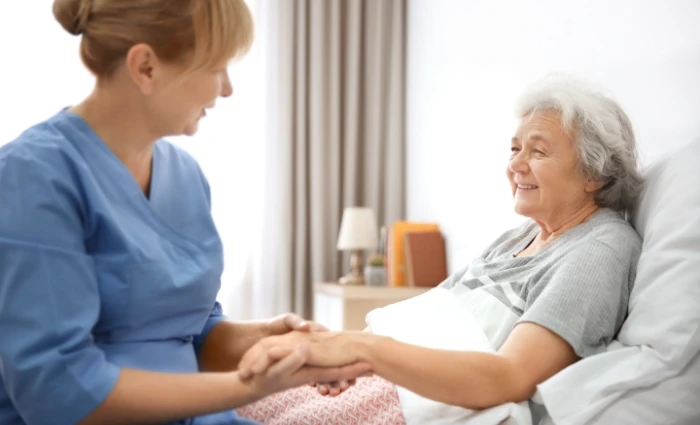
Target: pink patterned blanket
371 401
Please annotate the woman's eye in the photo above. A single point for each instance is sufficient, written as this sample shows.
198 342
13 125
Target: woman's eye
538 152
514 149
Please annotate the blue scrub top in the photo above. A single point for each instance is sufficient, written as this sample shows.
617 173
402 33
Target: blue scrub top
94 276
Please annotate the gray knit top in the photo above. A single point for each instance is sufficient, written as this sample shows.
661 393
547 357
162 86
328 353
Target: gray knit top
578 286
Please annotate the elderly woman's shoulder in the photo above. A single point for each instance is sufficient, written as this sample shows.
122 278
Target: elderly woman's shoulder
609 228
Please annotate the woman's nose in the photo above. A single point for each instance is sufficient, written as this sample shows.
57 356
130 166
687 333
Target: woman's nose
518 164
226 87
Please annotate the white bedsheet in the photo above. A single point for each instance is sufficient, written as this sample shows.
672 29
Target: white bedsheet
436 320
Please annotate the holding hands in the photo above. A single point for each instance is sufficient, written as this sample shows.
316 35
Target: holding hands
292 370
306 353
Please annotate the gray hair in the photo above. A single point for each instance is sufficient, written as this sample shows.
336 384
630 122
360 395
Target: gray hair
602 132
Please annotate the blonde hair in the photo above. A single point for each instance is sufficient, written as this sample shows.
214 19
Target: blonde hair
200 33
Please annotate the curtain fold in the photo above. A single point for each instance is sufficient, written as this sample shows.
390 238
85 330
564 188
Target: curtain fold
335 137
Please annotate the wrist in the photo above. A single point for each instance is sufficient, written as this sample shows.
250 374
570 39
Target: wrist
368 346
274 327
245 392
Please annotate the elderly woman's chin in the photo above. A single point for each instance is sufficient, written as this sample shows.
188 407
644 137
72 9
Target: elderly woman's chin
525 208
525 201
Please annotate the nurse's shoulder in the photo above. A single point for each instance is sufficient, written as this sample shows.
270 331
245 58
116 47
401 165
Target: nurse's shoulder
41 199
43 147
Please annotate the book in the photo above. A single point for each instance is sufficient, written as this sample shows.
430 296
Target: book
396 254
426 261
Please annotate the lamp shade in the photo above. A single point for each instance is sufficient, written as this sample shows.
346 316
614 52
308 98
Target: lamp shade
358 229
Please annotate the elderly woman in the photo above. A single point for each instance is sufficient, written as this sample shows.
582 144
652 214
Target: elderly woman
548 293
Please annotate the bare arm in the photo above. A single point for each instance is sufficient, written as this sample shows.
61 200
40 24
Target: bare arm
472 380
226 343
142 397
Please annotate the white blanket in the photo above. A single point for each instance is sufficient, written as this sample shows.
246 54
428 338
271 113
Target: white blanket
436 320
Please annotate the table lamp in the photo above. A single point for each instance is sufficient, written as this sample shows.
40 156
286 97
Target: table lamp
358 231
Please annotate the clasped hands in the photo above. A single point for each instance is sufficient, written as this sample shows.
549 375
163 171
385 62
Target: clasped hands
307 353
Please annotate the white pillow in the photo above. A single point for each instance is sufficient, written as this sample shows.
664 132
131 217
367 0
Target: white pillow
437 320
433 319
661 335
673 401
664 310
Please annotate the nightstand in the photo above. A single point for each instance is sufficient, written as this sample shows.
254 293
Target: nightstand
340 307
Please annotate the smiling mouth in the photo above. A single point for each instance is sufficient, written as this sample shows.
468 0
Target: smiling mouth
527 187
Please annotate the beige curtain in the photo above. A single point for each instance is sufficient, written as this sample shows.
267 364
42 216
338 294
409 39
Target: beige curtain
336 70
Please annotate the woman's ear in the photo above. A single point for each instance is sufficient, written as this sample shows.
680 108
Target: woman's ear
595 185
141 64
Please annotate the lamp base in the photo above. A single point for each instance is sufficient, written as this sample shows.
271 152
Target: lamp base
350 279
355 277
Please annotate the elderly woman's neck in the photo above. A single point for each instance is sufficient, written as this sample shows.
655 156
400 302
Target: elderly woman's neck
553 229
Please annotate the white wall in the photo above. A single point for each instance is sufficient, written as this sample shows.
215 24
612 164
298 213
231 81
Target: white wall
469 59
40 67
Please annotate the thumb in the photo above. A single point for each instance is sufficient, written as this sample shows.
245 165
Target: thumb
296 323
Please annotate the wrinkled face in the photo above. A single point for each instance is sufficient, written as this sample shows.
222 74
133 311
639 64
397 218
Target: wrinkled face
547 182
180 102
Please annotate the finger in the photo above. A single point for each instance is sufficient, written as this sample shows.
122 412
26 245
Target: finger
354 371
248 360
257 361
253 354
323 389
334 389
297 323
343 385
244 373
307 326
290 363
330 374
303 327
268 358
293 322
316 327
313 384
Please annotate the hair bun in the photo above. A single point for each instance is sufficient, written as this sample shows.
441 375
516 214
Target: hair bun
71 14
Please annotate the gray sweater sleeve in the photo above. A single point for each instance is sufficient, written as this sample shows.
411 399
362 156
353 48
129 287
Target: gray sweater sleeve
583 297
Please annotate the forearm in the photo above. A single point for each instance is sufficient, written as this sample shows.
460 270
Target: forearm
472 380
142 397
228 341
